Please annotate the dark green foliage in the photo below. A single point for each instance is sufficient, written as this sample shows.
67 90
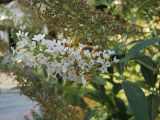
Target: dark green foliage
137 100
154 104
134 51
149 75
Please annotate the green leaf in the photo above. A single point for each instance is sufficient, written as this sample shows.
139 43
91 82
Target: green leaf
149 76
98 80
137 100
133 52
100 97
98 87
154 104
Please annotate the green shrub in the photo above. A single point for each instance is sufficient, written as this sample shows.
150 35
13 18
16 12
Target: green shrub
128 90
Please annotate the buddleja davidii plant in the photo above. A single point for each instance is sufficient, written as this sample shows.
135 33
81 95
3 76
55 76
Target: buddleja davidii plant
144 105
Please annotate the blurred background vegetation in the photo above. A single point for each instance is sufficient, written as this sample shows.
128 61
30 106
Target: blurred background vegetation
112 24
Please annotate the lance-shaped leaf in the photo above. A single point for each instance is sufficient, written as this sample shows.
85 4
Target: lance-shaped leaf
149 75
154 104
137 100
133 52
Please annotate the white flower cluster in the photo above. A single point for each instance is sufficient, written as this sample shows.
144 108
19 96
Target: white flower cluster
61 57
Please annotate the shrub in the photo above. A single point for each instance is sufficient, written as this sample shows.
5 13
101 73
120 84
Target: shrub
132 77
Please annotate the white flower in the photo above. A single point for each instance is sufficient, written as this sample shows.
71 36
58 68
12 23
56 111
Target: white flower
92 62
66 41
115 60
71 51
111 52
82 64
77 55
100 60
107 64
103 69
43 42
106 55
61 57
58 43
21 44
19 55
64 69
29 59
20 33
71 60
32 46
87 53
83 80
39 37
96 54
41 58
